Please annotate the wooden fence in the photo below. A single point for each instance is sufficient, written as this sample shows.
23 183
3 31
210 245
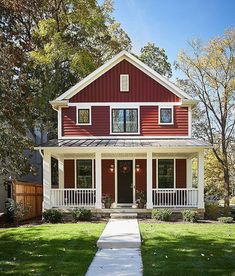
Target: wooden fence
30 194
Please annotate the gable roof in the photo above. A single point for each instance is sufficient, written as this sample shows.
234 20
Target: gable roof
62 99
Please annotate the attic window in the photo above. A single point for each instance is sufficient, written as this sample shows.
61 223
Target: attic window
124 83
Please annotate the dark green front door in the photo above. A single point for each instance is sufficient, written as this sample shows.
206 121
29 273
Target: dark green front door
125 181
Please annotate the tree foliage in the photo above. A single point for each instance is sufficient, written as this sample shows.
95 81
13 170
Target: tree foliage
210 71
156 58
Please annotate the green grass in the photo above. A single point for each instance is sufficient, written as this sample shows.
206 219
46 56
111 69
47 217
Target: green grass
59 249
188 249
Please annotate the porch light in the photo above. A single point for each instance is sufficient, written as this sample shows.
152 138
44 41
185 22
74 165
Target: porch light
137 167
111 168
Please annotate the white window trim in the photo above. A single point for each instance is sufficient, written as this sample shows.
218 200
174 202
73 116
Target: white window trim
124 133
163 158
75 171
172 115
128 84
83 107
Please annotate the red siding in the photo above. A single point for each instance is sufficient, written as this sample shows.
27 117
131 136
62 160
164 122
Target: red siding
150 126
108 178
180 173
69 171
141 176
100 122
107 87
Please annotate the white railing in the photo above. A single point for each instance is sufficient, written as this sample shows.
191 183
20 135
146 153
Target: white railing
175 197
72 197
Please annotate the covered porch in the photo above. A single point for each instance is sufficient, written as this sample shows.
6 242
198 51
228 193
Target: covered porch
170 174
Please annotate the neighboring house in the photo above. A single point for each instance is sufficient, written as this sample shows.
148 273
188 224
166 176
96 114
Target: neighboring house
123 129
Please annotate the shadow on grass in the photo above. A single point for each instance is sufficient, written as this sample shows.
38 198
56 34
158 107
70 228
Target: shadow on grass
48 250
188 253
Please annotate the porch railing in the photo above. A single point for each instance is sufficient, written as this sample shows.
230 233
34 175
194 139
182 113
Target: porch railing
175 197
73 197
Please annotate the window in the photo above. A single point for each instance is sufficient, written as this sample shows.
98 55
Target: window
84 116
124 83
165 115
54 173
84 173
166 173
124 120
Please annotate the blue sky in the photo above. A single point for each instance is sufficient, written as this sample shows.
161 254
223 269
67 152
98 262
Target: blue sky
171 23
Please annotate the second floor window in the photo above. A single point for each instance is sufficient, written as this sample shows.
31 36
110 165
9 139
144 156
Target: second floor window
166 115
124 120
83 116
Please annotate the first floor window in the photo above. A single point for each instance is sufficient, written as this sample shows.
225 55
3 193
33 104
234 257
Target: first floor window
84 116
84 173
165 173
124 120
54 173
166 115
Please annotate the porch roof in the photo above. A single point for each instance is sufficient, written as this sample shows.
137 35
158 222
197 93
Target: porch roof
134 142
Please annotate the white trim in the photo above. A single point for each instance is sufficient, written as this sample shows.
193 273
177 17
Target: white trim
123 133
201 179
172 115
113 136
81 108
149 172
59 118
98 180
189 173
123 89
189 121
125 104
111 63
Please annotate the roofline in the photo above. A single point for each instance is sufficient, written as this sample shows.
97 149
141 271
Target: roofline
110 64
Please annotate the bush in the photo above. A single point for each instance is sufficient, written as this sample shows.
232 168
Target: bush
225 219
232 200
190 215
212 209
82 215
52 216
17 211
161 214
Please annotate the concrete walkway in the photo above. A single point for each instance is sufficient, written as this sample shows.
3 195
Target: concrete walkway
119 253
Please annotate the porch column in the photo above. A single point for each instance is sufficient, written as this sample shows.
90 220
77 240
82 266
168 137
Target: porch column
149 204
189 173
98 180
46 180
201 179
61 172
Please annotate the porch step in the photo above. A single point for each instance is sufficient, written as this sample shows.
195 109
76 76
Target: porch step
123 215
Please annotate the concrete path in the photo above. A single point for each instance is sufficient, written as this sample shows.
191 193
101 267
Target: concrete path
119 253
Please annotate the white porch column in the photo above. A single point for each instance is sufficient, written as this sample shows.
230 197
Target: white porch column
149 204
46 180
98 181
189 173
201 179
61 172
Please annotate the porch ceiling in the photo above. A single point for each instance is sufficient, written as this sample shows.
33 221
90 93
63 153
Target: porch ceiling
126 143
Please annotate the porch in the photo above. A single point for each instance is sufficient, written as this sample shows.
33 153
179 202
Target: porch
165 174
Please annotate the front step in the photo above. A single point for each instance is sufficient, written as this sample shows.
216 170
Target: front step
123 215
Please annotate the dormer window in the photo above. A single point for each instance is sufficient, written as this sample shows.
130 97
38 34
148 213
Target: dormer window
124 83
166 116
84 116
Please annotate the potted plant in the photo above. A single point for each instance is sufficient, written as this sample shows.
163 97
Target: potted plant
107 200
140 199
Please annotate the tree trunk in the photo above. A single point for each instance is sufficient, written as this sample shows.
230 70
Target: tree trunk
227 190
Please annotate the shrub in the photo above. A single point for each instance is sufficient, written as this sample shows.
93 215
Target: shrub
212 209
161 214
18 210
52 216
82 215
232 200
190 215
225 219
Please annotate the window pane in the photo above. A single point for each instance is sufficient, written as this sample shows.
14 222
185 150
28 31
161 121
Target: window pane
166 115
165 173
54 173
118 120
83 116
84 173
131 120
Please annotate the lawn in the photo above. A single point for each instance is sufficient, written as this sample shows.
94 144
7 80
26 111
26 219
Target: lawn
188 249
60 249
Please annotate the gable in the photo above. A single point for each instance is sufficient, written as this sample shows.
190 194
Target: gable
142 88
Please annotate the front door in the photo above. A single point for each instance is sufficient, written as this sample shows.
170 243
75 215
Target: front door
125 181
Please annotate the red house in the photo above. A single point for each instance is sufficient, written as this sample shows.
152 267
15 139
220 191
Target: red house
121 130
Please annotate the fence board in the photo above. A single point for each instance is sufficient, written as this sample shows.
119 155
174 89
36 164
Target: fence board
29 194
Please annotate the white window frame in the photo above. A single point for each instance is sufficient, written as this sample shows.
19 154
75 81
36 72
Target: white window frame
157 182
83 107
128 83
172 115
124 107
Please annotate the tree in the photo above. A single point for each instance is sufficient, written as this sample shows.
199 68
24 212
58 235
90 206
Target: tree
156 58
210 71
